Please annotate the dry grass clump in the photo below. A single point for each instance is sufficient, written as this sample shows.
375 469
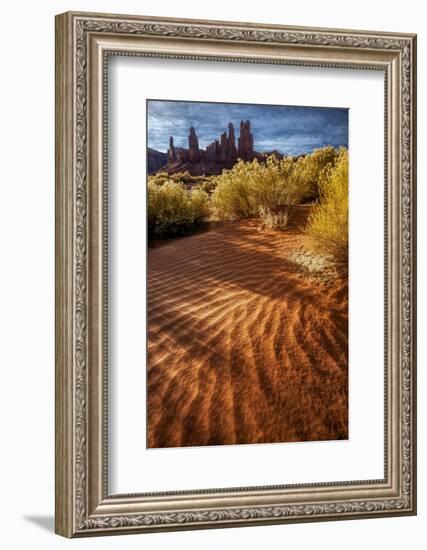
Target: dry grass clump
328 221
274 219
319 266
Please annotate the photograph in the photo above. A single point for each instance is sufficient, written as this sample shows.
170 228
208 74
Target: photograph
247 273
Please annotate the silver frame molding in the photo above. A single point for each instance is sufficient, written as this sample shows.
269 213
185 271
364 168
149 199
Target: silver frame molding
84 42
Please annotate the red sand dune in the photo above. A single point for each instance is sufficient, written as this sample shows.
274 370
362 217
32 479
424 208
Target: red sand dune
241 347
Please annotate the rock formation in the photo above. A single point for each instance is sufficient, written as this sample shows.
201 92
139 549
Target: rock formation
212 151
155 160
193 147
172 156
246 141
223 150
232 150
219 154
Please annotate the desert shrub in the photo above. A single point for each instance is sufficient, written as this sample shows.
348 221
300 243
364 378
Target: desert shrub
175 210
208 184
308 170
249 186
161 177
187 179
274 219
328 221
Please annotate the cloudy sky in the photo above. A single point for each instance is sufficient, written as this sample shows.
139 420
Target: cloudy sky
290 130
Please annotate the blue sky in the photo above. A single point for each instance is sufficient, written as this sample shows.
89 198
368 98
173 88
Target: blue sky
290 130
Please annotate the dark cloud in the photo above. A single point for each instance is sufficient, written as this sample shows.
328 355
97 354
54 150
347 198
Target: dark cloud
290 130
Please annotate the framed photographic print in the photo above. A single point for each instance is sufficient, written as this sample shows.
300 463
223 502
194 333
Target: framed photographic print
235 274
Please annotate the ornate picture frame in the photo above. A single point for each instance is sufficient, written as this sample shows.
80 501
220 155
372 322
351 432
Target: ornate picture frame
84 42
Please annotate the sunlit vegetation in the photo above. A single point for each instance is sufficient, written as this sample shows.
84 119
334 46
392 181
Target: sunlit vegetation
250 186
175 210
181 204
328 221
206 183
308 169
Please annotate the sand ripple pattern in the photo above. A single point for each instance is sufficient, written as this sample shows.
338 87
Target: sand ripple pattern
241 348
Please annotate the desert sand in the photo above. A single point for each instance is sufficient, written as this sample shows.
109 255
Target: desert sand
243 347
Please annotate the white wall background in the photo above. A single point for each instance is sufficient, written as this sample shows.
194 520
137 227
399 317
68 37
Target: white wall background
27 274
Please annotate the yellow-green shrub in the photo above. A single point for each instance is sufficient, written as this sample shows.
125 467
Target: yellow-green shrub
173 209
208 184
328 221
308 170
161 177
249 186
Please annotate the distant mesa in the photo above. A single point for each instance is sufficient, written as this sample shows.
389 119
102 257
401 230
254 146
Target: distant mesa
155 160
221 153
